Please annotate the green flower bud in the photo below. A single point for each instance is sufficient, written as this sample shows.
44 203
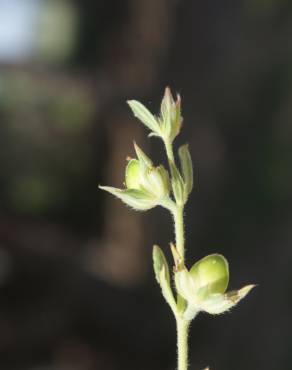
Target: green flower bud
170 116
204 286
146 186
141 175
213 272
168 125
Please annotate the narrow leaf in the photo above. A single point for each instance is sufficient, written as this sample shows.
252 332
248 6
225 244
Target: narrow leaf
161 270
186 168
137 199
159 261
177 184
144 115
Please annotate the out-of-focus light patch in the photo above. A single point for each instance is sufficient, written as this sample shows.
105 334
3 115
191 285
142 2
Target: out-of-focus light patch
57 25
42 30
17 24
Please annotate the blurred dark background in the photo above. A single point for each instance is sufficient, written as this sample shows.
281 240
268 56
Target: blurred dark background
77 290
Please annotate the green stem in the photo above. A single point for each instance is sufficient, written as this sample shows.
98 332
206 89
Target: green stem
182 343
169 150
182 324
179 231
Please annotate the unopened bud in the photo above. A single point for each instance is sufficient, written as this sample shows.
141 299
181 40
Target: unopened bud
170 116
213 272
204 286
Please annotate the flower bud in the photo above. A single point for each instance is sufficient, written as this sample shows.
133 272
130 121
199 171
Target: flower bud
146 186
204 286
213 272
141 175
170 116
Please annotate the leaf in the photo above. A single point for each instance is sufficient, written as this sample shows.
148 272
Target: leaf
144 115
177 184
137 199
159 261
162 276
186 168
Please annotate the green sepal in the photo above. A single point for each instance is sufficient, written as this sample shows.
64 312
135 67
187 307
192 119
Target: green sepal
186 169
144 115
162 276
220 303
137 199
142 157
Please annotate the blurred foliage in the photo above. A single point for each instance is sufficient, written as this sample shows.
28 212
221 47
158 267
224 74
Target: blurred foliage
45 155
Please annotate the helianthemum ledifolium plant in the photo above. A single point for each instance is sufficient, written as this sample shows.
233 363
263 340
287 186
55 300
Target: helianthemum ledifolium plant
203 286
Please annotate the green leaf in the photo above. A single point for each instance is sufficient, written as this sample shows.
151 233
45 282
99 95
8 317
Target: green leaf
144 115
137 199
162 276
159 262
186 168
177 184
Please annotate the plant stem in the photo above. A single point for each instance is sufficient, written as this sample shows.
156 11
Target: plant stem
182 343
179 231
182 324
169 151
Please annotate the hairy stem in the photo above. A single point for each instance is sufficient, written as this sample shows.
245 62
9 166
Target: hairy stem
182 343
179 231
169 151
182 324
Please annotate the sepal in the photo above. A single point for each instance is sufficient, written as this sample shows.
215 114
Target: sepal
220 303
142 157
136 199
